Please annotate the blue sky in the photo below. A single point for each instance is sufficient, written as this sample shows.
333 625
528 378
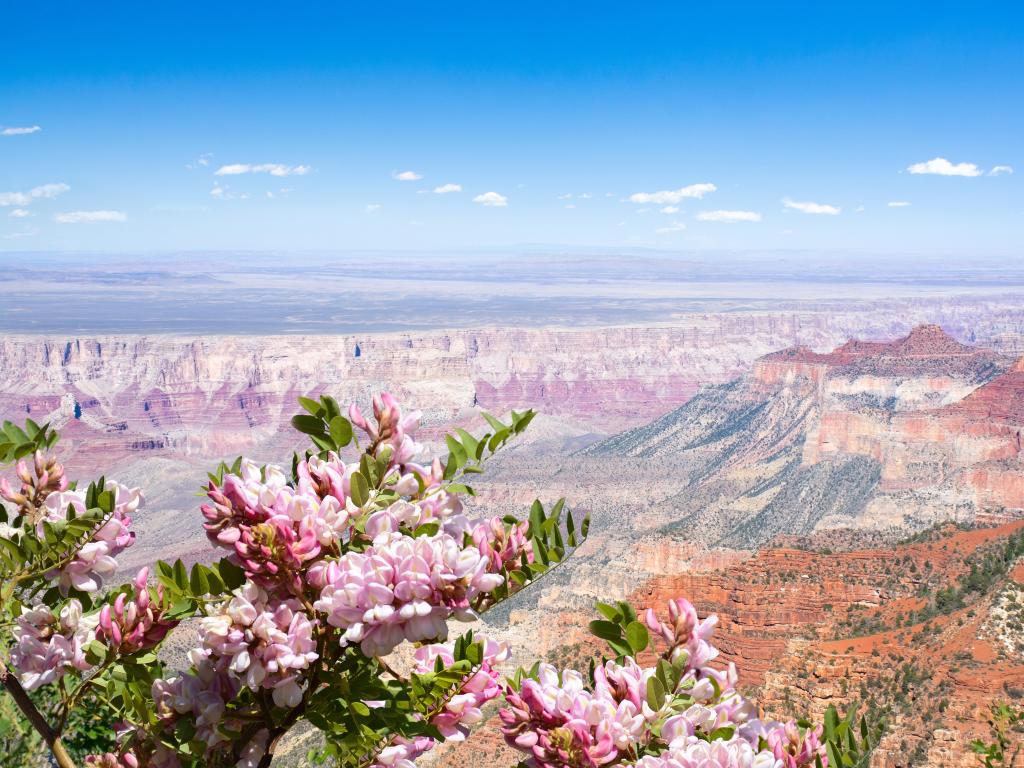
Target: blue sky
599 125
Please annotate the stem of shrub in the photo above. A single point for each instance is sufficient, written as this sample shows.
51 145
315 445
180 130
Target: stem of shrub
43 728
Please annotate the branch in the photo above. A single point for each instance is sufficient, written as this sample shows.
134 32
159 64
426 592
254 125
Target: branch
43 728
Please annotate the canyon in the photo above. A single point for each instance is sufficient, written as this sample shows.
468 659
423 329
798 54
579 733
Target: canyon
768 465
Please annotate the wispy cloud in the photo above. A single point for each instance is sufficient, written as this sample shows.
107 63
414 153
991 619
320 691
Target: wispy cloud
898 204
1001 170
446 189
16 131
673 196
223 192
274 169
491 200
670 209
406 176
815 208
88 217
200 162
42 192
728 217
19 213
675 226
566 196
940 166
373 207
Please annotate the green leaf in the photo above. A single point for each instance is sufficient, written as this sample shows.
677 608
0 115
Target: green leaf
309 425
606 630
311 405
655 693
610 612
457 451
637 636
341 431
359 489
199 581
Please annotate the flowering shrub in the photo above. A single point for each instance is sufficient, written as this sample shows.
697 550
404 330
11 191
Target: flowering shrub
329 568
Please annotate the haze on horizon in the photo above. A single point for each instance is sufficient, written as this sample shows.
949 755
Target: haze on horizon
687 130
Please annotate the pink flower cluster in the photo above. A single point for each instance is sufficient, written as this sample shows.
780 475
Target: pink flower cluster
133 754
393 431
402 588
562 720
273 529
47 646
45 477
136 623
797 747
201 695
685 633
264 643
94 561
159 756
462 710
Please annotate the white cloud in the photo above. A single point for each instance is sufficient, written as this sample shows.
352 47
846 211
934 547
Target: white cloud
571 205
940 166
274 169
86 217
491 200
817 208
225 193
670 209
585 196
673 196
566 196
728 217
406 176
19 213
200 162
898 204
1000 170
444 189
13 131
42 192
373 207
859 209
675 226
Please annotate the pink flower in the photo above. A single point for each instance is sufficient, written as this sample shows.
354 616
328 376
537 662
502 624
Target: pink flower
463 708
503 545
47 646
711 754
796 747
274 529
45 477
95 560
402 588
684 632
201 694
560 723
266 643
132 625
393 430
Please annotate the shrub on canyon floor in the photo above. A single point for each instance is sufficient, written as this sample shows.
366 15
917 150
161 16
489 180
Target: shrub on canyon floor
331 569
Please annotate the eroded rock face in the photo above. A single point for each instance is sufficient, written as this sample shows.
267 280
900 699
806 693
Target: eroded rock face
873 435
